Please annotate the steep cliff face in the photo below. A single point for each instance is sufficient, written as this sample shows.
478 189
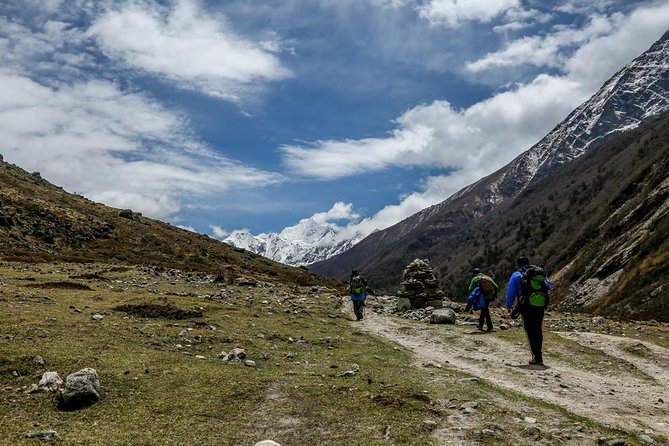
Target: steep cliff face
638 93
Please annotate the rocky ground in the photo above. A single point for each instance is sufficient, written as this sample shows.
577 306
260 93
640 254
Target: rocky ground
613 372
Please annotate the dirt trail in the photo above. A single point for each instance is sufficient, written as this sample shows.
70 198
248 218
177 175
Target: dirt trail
616 381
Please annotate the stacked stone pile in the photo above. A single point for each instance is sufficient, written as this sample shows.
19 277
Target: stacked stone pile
419 287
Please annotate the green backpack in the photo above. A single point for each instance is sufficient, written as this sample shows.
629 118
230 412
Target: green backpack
534 287
357 285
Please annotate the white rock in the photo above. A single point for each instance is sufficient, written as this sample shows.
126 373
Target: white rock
97 317
267 443
443 316
50 381
646 439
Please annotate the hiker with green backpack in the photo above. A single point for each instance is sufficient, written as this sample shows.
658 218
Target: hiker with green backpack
528 289
358 286
488 292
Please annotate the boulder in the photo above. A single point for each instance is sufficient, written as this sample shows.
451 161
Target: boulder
81 389
443 316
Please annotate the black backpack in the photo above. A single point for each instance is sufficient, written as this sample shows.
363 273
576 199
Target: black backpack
534 287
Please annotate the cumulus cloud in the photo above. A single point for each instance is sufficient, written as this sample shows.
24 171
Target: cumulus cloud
120 148
453 12
546 50
339 211
478 140
183 44
218 232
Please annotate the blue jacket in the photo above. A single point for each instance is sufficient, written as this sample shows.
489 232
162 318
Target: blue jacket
476 300
513 290
358 297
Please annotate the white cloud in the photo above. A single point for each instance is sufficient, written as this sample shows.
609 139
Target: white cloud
334 159
339 211
453 12
218 232
435 135
119 148
183 44
546 50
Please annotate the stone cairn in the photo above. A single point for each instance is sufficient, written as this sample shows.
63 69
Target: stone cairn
419 287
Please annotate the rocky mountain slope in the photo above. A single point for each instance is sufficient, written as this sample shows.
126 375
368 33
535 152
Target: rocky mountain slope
637 94
307 242
42 222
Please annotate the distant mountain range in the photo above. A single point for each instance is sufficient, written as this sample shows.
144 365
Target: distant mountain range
307 242
458 233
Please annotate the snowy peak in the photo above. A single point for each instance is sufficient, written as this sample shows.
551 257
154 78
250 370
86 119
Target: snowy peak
307 242
637 93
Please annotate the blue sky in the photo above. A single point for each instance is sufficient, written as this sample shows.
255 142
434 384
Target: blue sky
222 115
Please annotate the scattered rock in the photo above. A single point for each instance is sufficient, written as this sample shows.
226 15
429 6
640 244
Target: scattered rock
44 435
200 357
267 443
428 425
50 382
245 281
488 433
81 389
469 407
598 320
249 363
646 439
235 355
39 361
532 432
443 316
97 317
530 420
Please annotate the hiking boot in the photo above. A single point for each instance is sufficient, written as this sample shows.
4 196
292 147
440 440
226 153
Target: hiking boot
490 330
535 362
480 328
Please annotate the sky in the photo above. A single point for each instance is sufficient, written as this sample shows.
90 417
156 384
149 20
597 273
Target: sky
255 114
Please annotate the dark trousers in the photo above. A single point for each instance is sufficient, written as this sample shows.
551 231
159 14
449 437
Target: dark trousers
533 317
484 317
358 307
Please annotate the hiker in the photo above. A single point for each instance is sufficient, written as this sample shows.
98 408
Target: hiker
358 286
528 289
487 292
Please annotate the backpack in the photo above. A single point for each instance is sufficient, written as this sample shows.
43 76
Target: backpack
486 286
534 287
357 285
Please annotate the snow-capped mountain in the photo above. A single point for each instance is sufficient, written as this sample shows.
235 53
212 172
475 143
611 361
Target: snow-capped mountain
307 242
636 94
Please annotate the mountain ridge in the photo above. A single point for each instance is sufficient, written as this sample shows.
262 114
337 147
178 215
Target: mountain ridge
42 222
648 74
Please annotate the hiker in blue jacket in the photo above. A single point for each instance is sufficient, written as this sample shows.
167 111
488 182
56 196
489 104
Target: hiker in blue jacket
358 286
532 312
487 293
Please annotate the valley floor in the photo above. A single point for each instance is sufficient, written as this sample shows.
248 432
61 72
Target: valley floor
620 381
